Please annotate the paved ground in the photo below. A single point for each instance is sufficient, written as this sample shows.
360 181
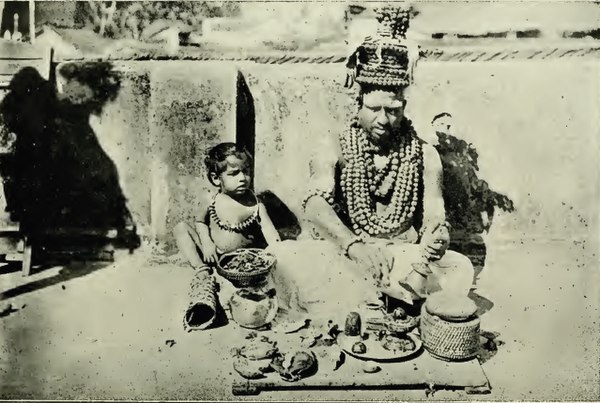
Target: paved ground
100 331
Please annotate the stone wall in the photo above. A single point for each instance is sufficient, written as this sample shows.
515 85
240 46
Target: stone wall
534 124
156 131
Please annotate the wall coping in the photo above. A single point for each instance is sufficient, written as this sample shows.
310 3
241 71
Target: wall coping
459 51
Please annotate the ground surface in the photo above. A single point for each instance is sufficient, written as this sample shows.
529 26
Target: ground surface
100 331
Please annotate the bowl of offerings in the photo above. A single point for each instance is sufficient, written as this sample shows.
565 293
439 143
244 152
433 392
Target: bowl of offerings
246 267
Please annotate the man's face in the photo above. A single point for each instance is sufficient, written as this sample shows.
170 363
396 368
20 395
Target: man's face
381 112
235 179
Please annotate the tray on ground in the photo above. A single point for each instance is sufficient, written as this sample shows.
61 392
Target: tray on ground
422 372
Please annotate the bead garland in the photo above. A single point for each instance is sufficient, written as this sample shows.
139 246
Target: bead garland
399 180
325 194
387 59
393 21
239 227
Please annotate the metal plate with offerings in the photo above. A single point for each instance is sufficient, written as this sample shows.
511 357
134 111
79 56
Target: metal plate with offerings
390 348
386 338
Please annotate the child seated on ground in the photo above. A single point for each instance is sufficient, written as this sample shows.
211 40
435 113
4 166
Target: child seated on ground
235 219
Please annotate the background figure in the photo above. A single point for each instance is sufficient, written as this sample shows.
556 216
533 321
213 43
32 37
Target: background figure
469 201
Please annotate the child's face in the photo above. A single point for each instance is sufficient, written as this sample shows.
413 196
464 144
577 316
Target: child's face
235 179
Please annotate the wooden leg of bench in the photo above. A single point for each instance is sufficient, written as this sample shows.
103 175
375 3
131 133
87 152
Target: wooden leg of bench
27 258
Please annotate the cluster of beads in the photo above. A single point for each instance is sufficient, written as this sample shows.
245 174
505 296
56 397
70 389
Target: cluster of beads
393 21
327 195
387 63
386 81
239 227
398 181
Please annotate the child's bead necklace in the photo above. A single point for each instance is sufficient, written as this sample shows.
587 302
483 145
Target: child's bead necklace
239 227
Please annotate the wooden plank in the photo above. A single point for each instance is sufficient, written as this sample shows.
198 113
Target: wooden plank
73 231
95 256
26 271
14 257
9 229
32 21
423 372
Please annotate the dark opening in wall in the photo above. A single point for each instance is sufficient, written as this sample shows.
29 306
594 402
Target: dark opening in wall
245 120
283 218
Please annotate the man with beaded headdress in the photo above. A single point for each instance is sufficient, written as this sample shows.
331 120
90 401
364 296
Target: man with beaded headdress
376 198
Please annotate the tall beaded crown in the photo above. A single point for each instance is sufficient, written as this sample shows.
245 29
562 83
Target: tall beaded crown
383 59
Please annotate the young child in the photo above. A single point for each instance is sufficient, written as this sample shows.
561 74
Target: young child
235 219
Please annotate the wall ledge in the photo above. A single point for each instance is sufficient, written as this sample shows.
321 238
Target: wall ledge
523 50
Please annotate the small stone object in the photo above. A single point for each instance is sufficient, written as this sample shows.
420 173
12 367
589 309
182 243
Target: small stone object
399 314
248 369
353 324
253 359
396 344
359 348
258 349
301 365
371 368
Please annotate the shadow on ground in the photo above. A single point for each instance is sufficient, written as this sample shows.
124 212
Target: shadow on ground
69 272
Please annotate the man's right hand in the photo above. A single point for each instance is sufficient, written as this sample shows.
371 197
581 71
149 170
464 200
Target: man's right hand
375 259
209 252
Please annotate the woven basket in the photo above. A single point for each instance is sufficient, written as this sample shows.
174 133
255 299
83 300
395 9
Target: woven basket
452 341
243 279
203 304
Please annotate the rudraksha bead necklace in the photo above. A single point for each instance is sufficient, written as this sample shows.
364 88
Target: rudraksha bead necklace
399 181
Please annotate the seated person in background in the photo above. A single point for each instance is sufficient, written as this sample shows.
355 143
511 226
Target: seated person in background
235 219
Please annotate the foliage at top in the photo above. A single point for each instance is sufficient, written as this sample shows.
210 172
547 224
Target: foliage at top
141 19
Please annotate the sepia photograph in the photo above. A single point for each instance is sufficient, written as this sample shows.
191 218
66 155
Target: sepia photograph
300 200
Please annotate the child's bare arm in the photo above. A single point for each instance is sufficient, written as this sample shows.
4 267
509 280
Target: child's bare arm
270 233
207 246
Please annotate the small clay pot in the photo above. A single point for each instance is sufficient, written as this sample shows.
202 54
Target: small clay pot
253 308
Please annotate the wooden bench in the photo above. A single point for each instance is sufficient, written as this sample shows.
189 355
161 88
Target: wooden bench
24 248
